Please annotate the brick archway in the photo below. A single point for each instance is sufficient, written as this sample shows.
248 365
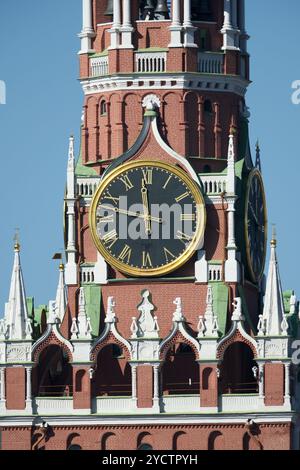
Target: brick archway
177 338
109 340
236 338
51 340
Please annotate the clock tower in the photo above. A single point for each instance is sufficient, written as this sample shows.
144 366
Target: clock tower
165 333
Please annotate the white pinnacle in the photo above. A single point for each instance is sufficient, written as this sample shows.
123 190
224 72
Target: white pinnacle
273 312
61 294
16 314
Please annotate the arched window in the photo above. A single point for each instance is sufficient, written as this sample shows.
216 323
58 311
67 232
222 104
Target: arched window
117 352
237 370
215 441
113 373
79 380
53 373
208 107
103 108
205 377
180 371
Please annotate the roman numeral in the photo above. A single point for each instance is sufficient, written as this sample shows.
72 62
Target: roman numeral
183 237
128 184
125 254
182 196
169 255
148 175
147 263
115 200
110 238
188 217
167 182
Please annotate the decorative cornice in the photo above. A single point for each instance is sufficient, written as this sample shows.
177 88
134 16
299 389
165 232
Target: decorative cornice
165 81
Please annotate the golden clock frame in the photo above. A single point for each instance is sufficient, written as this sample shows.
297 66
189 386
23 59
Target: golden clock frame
178 262
255 173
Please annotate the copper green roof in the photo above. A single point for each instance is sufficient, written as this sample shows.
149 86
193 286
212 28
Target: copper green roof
220 304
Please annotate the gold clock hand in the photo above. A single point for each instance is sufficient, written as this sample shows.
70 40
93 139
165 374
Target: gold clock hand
144 192
131 213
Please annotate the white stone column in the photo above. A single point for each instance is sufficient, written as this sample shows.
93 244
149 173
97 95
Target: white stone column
28 384
229 30
156 383
87 32
261 379
133 382
71 268
127 28
126 13
115 30
187 13
176 13
117 14
189 30
232 271
176 26
287 380
2 380
227 14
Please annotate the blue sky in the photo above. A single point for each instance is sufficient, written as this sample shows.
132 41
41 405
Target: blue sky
38 62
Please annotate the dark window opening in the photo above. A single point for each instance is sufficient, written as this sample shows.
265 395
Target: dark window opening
201 10
103 108
208 107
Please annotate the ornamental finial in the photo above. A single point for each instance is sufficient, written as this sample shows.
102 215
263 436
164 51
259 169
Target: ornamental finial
17 245
274 236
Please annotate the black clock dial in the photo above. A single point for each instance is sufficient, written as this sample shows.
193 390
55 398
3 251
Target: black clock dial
256 225
147 218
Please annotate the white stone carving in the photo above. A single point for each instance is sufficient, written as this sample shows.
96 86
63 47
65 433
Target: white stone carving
150 102
17 352
147 326
178 315
208 325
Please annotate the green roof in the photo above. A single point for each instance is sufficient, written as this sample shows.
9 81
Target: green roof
82 170
93 297
220 304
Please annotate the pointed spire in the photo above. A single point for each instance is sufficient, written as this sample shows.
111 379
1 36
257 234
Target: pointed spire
273 312
61 293
16 314
208 324
81 328
257 159
231 163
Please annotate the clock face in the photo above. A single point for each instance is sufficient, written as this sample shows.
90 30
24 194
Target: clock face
147 218
255 225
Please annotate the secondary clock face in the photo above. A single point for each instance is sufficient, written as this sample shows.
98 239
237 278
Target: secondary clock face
255 225
147 218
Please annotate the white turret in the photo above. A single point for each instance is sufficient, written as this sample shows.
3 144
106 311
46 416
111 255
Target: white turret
16 315
61 294
273 313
